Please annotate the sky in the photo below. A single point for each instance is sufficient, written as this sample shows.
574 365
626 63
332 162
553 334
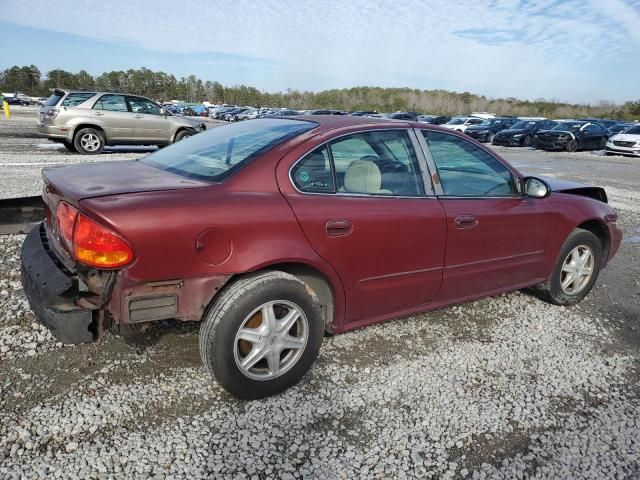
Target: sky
569 50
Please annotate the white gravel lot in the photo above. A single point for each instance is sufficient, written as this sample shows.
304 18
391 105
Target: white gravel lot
507 387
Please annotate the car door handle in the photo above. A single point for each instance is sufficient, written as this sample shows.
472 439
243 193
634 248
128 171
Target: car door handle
137 116
339 228
466 221
98 114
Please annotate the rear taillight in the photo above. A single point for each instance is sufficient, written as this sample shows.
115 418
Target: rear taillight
96 246
66 216
90 242
51 113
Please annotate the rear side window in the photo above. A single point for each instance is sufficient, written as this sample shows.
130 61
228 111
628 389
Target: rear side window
74 99
142 105
313 173
53 99
112 103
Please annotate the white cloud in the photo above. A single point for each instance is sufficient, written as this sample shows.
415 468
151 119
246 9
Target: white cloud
504 48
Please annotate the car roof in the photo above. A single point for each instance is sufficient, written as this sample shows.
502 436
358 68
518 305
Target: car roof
333 122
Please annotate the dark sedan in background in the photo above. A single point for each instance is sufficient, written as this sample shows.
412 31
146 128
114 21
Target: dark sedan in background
522 133
572 136
487 130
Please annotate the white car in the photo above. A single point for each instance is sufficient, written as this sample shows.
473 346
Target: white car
626 142
462 123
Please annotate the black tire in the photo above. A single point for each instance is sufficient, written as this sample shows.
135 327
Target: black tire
233 308
571 146
182 134
69 146
551 290
89 141
526 141
603 143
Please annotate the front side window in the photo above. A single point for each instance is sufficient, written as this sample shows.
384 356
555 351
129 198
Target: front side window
313 173
216 154
466 170
380 163
111 103
74 99
142 105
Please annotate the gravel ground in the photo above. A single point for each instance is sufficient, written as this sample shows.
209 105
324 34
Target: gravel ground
507 387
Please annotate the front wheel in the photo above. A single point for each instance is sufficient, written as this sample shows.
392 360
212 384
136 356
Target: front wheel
571 146
182 134
576 269
261 334
526 141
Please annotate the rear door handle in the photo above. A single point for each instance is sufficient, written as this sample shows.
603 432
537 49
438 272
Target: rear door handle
98 114
339 228
137 116
466 221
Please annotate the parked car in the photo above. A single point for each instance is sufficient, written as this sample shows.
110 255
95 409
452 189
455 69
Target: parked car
282 113
85 122
522 133
403 116
460 124
625 143
605 122
232 115
485 131
433 119
320 224
619 128
365 113
572 136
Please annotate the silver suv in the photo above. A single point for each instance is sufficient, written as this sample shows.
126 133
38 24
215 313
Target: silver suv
87 121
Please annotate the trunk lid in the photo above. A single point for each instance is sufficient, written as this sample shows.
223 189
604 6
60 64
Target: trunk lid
77 182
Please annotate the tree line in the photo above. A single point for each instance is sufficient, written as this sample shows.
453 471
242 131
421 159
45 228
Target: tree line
162 87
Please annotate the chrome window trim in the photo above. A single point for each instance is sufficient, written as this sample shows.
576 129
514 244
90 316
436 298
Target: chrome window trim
438 187
368 195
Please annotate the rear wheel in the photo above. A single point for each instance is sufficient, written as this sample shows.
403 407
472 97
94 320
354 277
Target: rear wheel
603 143
89 141
261 334
571 146
576 269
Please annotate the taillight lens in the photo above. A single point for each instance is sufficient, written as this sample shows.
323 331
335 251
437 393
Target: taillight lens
51 113
66 216
98 247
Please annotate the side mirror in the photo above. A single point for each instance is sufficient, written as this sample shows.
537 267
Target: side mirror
535 188
163 111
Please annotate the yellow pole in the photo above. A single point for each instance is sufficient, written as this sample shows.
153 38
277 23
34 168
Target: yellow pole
7 112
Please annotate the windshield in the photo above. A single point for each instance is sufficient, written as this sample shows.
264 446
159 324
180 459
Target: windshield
216 154
635 130
568 126
457 121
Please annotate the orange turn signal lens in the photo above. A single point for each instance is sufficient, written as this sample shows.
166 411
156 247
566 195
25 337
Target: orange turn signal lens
96 246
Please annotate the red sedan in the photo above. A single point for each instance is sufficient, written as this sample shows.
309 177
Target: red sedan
275 231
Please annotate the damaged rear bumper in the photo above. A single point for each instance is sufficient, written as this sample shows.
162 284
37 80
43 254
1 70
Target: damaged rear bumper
52 292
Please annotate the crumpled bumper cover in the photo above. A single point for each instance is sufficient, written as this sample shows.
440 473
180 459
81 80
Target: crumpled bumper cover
52 292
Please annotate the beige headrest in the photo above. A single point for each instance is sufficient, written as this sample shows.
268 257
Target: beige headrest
362 176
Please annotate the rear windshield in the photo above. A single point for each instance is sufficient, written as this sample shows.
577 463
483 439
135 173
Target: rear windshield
216 154
53 99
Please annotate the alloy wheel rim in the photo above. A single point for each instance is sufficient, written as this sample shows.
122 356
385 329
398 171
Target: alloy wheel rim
90 142
577 270
271 340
